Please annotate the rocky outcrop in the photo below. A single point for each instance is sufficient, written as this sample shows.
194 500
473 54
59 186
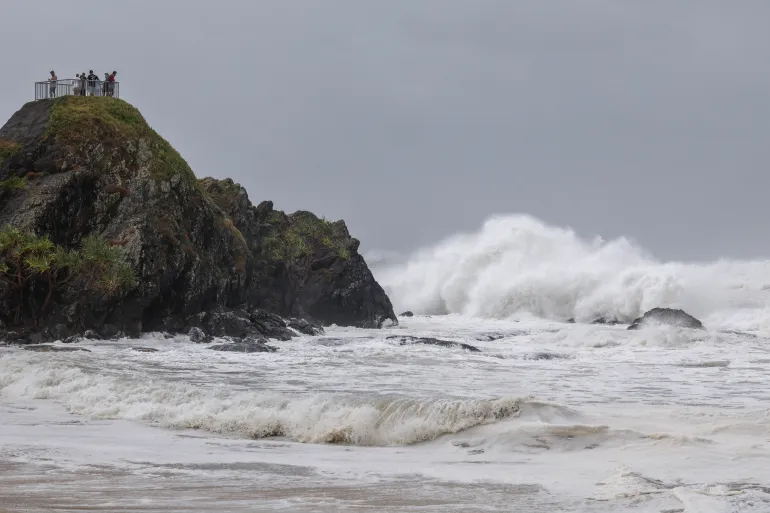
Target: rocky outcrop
202 255
666 316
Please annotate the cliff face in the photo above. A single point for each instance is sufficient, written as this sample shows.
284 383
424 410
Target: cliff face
74 167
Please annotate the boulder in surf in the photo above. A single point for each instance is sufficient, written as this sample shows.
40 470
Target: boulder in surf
668 317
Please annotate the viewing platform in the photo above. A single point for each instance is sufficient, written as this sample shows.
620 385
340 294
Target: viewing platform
75 87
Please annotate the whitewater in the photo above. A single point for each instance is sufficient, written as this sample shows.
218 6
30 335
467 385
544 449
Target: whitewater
553 413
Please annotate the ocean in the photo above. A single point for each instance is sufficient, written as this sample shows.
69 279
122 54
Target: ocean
552 414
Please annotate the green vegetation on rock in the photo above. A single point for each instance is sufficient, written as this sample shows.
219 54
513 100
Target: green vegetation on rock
222 192
27 260
301 234
81 122
228 225
8 149
13 182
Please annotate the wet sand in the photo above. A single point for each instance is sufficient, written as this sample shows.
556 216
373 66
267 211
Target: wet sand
38 488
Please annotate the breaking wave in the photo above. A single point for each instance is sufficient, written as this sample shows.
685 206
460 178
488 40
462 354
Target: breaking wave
518 265
313 418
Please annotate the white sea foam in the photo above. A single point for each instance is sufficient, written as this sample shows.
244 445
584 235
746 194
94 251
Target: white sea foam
312 418
516 264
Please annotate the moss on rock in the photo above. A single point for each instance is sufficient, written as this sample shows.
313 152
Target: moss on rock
77 123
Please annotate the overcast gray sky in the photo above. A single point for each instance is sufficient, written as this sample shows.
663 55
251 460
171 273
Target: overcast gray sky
413 119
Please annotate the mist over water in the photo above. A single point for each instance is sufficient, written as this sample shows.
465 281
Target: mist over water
516 265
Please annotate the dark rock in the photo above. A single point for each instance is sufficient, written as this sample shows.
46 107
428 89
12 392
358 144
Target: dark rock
91 335
44 348
16 335
198 336
72 340
249 346
606 320
109 332
306 327
407 340
407 314
195 245
171 324
59 332
667 316
144 349
270 325
36 338
224 322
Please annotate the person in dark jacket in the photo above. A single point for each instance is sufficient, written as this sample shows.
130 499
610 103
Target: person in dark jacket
93 83
83 84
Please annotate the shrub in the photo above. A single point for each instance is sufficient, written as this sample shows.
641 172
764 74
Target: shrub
28 262
13 182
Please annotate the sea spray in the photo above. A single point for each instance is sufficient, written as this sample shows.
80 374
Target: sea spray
517 265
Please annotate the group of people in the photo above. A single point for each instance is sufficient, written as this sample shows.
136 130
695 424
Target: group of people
87 85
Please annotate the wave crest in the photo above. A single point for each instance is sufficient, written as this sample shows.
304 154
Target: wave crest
313 418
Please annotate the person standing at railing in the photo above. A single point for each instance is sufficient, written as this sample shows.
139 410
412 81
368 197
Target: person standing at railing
83 83
93 83
52 86
111 83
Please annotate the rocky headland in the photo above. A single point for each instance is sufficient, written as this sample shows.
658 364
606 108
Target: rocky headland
106 231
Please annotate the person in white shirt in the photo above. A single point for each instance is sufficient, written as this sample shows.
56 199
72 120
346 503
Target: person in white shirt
53 82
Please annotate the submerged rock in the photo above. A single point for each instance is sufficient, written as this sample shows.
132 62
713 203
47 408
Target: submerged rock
248 346
144 349
45 348
666 316
306 327
545 356
407 340
408 313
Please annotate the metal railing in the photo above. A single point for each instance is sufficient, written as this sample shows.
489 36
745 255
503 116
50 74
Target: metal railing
75 87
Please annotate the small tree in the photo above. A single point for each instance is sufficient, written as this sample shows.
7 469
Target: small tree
28 262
